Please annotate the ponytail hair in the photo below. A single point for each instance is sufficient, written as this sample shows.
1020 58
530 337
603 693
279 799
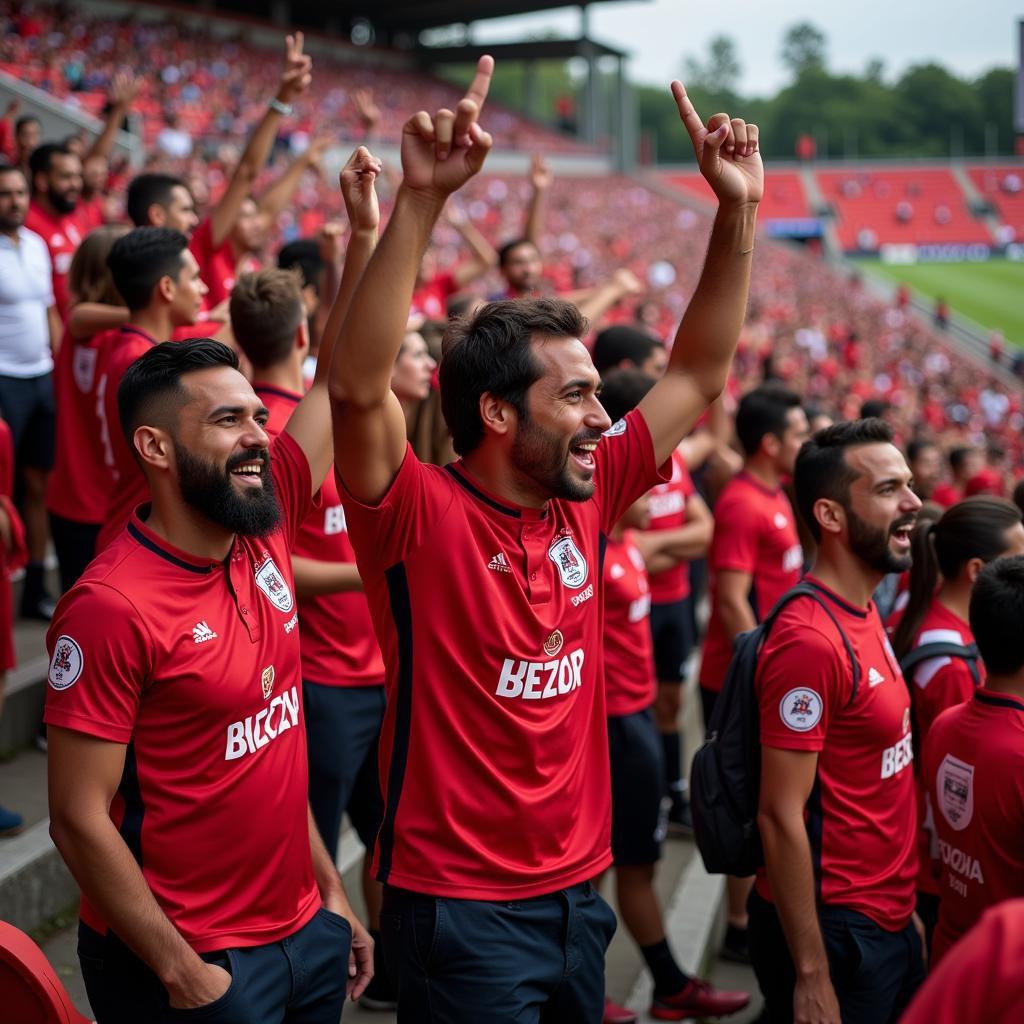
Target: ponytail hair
973 528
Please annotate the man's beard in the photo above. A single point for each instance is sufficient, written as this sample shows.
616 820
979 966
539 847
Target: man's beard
62 204
209 490
541 457
871 544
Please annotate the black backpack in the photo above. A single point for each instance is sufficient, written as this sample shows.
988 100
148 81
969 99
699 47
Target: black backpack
725 777
941 649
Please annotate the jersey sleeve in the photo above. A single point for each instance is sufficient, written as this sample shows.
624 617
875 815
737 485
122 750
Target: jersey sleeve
382 534
938 687
201 244
292 481
100 662
802 682
625 467
734 543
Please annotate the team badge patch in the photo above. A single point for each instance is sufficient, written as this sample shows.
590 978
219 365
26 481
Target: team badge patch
618 427
66 663
571 564
954 784
271 581
553 644
267 681
800 710
83 367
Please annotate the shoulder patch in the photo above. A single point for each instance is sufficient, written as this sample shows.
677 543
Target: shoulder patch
66 663
618 427
800 710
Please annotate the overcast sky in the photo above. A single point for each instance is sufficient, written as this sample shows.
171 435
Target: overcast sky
967 36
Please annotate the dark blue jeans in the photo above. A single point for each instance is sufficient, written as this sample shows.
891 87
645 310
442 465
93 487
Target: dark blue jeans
525 961
298 980
874 972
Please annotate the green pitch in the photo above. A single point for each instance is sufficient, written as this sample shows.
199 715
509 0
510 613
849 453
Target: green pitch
990 293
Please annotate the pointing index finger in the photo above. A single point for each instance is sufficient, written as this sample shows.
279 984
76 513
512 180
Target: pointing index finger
477 91
689 116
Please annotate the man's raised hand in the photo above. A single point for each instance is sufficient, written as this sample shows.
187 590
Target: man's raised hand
297 73
726 150
357 189
440 154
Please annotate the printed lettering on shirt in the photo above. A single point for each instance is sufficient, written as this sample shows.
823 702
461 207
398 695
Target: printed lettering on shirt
897 757
954 784
271 581
291 623
569 561
793 559
201 633
584 595
963 864
267 681
618 427
540 680
499 563
663 505
256 731
334 520
800 710
640 608
875 677
66 663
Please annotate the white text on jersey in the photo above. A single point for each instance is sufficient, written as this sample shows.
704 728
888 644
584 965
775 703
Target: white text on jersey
255 731
896 758
540 680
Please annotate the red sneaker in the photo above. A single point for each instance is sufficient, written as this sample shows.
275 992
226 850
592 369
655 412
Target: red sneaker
615 1014
698 999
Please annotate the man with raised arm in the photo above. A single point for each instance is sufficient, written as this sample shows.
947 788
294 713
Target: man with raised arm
177 752
484 582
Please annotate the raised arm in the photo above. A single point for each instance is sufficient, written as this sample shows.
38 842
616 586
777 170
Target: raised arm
439 155
727 151
310 423
541 177
123 90
295 80
276 196
484 257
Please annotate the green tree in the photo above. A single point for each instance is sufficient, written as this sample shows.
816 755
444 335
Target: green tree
803 48
720 73
995 97
944 110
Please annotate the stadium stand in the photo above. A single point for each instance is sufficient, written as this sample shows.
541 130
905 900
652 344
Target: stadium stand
1003 187
784 196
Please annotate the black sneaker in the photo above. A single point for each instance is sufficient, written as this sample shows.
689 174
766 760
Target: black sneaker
736 947
379 995
680 820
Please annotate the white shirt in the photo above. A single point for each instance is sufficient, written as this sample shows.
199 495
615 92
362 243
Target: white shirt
26 293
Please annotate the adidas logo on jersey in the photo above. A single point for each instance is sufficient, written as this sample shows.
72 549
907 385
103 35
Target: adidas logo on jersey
499 563
201 632
875 677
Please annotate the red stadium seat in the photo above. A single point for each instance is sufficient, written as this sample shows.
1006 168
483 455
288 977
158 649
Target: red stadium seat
30 991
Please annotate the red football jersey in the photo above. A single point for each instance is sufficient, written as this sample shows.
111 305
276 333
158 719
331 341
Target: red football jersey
946 495
980 981
78 488
62 236
668 512
938 684
974 770
339 647
218 267
126 485
629 672
194 664
755 533
861 817
431 300
494 748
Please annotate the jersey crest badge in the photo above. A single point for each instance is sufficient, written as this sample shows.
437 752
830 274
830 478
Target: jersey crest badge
553 644
569 560
800 710
617 428
954 785
83 367
66 663
271 581
267 681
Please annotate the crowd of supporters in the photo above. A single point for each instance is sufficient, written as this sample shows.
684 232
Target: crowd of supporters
103 262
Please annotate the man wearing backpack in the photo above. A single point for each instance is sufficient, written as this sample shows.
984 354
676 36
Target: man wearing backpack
833 931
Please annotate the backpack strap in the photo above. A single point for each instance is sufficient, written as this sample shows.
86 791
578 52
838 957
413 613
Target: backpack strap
805 589
943 649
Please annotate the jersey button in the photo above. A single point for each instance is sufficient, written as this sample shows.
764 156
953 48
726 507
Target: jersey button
244 610
533 575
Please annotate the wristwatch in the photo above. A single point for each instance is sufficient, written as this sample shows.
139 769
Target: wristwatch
284 109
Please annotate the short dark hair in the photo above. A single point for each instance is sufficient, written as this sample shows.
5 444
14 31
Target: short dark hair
492 353
41 158
872 407
765 410
622 391
1018 495
266 310
155 378
147 189
821 468
143 256
997 610
614 344
917 447
303 253
24 120
505 251
958 456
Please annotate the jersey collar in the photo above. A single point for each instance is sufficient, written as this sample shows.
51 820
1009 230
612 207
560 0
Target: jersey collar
458 473
998 700
132 329
141 533
272 389
852 609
